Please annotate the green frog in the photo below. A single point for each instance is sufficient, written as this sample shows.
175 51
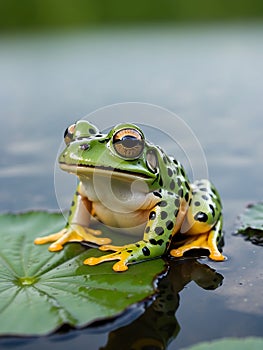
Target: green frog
127 182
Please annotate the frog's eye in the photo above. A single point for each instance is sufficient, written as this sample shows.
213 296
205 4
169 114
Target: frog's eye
128 143
68 134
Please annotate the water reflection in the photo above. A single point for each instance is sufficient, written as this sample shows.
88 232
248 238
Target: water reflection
158 326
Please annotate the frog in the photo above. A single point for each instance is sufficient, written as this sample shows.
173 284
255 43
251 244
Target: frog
127 182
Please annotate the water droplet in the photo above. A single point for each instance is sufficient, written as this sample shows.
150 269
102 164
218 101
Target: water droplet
27 281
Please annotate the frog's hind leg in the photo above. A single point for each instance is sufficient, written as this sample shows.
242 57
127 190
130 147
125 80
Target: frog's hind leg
202 227
207 241
214 239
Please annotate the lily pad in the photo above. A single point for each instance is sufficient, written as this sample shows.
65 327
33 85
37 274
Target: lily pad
251 223
250 343
40 291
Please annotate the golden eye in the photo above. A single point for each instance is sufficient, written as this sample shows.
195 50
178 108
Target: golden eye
128 143
68 134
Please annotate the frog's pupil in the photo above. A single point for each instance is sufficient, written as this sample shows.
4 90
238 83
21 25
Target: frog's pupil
128 146
129 141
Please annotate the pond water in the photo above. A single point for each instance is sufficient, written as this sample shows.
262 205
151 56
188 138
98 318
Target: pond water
212 77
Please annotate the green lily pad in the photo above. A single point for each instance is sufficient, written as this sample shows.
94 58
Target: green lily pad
40 291
251 223
250 343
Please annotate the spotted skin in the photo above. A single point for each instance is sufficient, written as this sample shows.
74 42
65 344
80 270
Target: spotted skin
163 222
203 223
195 210
170 205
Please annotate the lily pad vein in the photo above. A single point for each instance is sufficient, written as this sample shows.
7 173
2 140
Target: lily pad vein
8 265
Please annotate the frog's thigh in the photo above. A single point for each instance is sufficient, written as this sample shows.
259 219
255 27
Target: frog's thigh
204 210
203 223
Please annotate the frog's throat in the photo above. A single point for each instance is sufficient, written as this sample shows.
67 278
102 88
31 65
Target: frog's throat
90 170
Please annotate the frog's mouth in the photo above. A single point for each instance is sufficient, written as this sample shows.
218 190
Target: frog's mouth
91 170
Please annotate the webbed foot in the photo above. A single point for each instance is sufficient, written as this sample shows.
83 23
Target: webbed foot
73 233
106 247
120 266
124 254
202 241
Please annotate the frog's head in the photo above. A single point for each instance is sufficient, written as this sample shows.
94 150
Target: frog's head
122 153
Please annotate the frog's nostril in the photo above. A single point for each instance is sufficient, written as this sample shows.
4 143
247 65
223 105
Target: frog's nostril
84 146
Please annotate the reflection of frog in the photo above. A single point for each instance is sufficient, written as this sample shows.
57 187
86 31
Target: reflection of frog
127 182
158 326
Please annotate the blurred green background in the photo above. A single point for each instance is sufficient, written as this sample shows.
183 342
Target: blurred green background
20 15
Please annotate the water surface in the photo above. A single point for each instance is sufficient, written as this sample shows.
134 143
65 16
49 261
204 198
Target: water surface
212 77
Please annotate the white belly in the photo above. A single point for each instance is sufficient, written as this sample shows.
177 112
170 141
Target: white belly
133 222
119 204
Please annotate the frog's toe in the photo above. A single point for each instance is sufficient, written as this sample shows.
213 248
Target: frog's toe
50 238
39 240
120 266
107 247
103 242
91 261
94 232
217 256
100 259
177 253
55 247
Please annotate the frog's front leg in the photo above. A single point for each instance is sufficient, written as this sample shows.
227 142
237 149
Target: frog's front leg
165 218
76 229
